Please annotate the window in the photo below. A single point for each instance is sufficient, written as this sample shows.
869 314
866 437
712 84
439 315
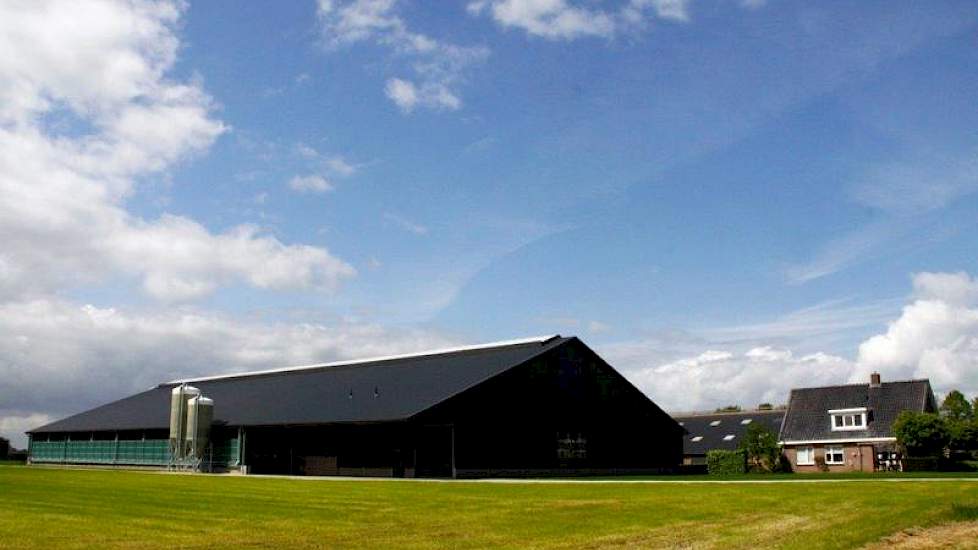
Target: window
571 446
848 419
697 438
729 437
746 421
805 456
715 423
835 455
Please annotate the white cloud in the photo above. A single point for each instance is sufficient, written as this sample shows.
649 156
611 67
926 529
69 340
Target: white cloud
340 166
313 183
567 20
334 165
13 426
716 378
676 10
547 18
916 185
406 224
935 337
403 93
955 288
87 106
58 358
439 67
824 320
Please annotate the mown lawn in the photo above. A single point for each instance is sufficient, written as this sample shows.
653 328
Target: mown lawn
52 508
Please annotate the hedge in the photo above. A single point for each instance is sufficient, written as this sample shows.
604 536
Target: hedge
720 462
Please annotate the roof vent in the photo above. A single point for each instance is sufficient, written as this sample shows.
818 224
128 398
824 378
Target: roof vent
874 380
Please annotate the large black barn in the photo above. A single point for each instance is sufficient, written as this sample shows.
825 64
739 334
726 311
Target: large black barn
542 406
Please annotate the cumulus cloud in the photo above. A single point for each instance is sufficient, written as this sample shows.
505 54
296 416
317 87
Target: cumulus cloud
567 20
438 67
716 378
86 108
57 357
934 336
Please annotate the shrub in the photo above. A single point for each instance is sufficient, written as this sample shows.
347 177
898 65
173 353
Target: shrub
721 462
921 464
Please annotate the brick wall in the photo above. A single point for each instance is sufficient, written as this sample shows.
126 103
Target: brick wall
858 457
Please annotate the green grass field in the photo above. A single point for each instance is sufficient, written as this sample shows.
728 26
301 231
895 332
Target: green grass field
53 508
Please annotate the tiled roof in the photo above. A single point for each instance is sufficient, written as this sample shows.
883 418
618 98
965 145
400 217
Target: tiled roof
706 432
807 418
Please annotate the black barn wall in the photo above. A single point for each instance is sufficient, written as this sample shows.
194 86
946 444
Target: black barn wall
564 411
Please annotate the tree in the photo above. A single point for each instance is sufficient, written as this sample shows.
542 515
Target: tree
729 408
4 448
963 435
921 434
762 449
955 407
765 407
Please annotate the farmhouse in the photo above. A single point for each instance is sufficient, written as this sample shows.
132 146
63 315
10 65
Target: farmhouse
724 431
849 428
537 406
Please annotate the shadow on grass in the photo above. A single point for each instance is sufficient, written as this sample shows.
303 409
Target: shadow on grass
964 512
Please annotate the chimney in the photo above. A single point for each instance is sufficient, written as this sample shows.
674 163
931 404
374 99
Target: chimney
874 380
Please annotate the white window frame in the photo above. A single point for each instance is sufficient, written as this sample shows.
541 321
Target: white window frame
810 451
835 450
852 414
729 437
696 438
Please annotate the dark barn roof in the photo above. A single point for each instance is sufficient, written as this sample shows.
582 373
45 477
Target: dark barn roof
386 389
702 435
807 418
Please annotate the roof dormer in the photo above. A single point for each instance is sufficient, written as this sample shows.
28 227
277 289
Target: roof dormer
848 419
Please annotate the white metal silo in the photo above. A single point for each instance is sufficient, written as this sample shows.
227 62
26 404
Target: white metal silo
179 397
200 415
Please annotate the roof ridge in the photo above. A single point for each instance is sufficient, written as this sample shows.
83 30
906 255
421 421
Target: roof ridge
726 413
358 362
862 384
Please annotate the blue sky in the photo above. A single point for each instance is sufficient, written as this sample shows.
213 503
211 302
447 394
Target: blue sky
693 173
699 189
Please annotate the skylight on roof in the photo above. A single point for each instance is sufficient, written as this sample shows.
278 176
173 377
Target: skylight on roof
697 438
715 423
729 437
746 421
